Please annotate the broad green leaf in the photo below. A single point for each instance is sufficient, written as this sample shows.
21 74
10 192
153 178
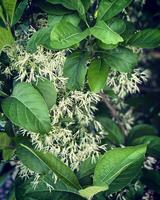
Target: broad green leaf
114 133
106 46
117 25
97 75
51 9
151 178
105 34
26 108
71 4
141 130
19 11
75 70
87 4
9 8
4 140
121 59
90 191
65 35
41 162
41 37
118 167
26 188
47 89
86 168
153 144
110 8
148 38
8 154
6 38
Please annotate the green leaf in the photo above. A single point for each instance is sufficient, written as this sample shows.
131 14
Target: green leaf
48 91
89 192
87 4
19 11
97 75
106 46
117 25
153 144
141 130
118 167
3 94
4 140
114 133
52 9
75 70
71 4
105 34
86 168
148 38
8 154
41 37
121 59
9 8
41 162
151 178
26 108
6 38
110 8
65 34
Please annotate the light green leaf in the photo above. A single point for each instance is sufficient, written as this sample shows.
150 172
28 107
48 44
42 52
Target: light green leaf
97 75
9 8
148 38
121 59
41 162
4 140
6 38
71 4
65 34
89 192
114 133
19 11
75 70
118 167
110 8
105 34
26 108
47 89
8 154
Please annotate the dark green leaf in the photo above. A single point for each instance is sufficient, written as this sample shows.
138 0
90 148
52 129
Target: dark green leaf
117 25
141 130
75 70
19 11
97 75
71 4
114 133
153 147
121 59
118 167
26 108
4 140
47 89
149 38
110 8
41 162
105 34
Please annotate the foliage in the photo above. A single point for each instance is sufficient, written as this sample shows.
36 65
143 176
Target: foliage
65 85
